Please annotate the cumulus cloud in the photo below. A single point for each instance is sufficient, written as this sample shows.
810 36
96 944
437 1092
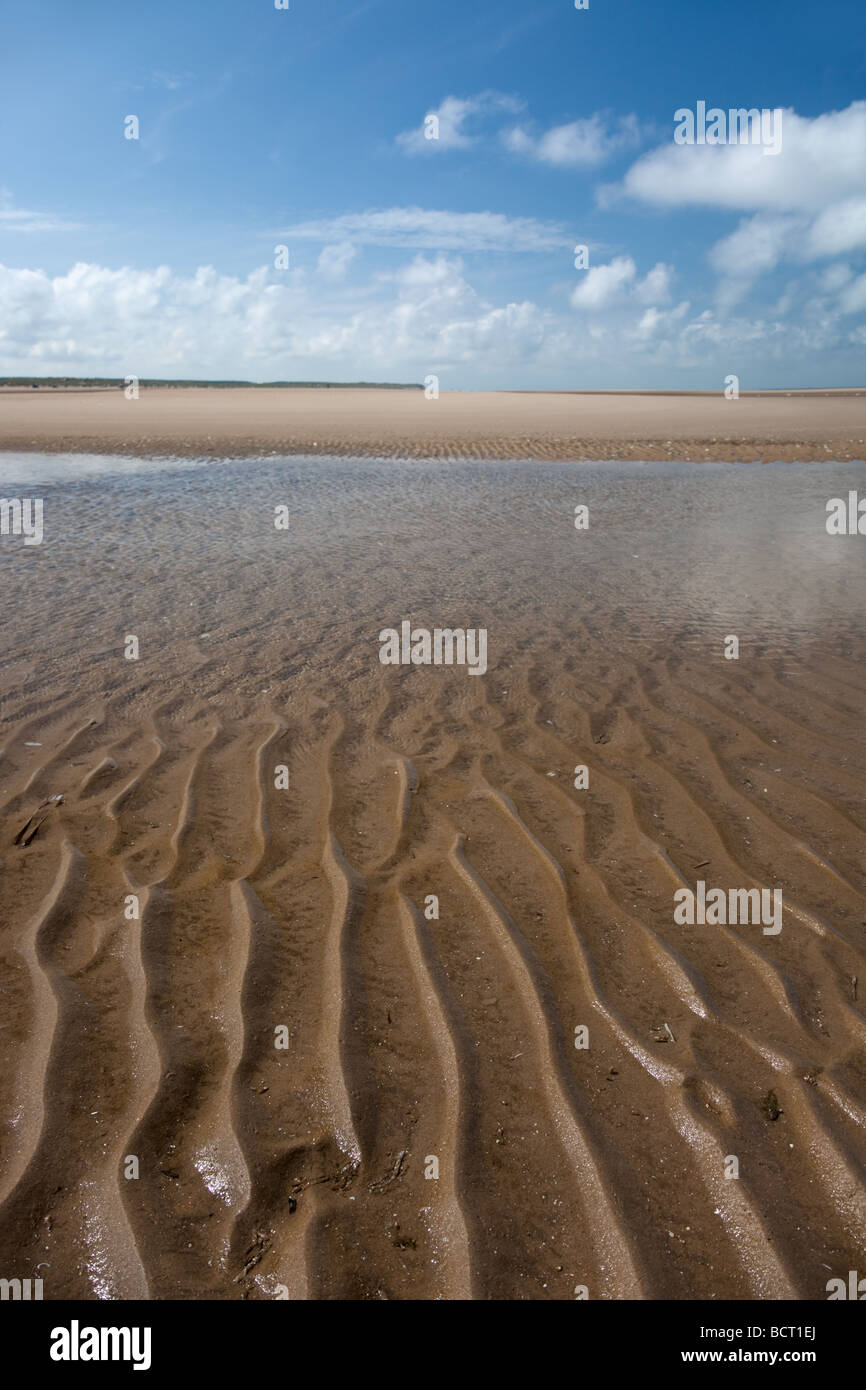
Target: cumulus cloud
806 203
154 322
821 161
425 315
580 144
430 230
603 284
655 323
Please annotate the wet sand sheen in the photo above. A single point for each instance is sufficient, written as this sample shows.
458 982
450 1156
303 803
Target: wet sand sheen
411 1038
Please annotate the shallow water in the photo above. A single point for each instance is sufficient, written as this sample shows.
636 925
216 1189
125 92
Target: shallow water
267 901
674 553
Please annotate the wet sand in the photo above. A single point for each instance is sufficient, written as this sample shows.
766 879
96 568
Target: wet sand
412 1038
237 422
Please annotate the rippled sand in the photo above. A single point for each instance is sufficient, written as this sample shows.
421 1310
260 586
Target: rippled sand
411 1038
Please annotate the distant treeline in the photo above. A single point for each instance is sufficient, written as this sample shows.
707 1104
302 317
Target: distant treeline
158 381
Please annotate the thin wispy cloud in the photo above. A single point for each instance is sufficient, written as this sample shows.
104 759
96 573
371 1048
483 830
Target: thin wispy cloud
530 21
13 219
428 229
172 81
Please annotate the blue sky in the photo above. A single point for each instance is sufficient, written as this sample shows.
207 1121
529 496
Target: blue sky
261 127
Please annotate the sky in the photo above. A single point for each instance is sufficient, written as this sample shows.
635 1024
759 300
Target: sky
306 128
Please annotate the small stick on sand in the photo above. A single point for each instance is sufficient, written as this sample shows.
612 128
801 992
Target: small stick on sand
29 831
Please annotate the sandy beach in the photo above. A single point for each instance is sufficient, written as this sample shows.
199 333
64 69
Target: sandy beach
238 422
432 678
243 1056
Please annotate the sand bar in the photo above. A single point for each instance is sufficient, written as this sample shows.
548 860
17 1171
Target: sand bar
549 425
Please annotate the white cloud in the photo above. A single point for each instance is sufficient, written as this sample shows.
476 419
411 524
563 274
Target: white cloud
756 246
427 229
602 283
806 203
334 260
835 278
647 325
822 161
171 81
14 219
580 144
838 229
853 298
423 316
153 322
761 242
451 117
655 288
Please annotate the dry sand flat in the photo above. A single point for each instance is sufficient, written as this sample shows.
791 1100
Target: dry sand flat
303 908
402 423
